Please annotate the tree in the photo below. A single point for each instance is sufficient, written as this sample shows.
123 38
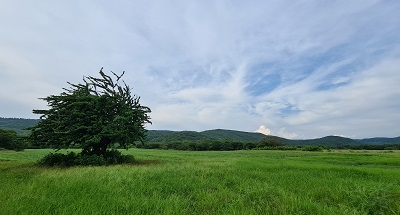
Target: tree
10 140
271 141
94 115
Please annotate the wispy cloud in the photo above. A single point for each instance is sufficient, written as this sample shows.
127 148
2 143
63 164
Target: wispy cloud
302 69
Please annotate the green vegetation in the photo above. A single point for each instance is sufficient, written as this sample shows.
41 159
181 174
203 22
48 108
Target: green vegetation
267 143
111 157
162 137
312 148
331 141
272 141
175 140
10 140
95 116
375 147
212 182
216 134
221 134
381 140
281 148
200 145
17 124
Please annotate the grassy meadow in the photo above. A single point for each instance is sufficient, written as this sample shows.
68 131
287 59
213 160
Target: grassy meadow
211 182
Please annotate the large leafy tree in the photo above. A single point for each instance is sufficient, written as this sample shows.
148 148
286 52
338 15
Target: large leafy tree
94 115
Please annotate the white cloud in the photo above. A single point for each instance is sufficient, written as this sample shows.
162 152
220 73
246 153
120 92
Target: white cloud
335 63
357 108
263 130
282 132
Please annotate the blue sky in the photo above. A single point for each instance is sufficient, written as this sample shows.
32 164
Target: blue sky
296 69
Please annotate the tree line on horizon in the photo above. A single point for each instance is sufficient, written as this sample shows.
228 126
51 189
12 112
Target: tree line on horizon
20 124
218 139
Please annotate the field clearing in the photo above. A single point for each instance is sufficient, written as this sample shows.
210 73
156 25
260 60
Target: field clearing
212 182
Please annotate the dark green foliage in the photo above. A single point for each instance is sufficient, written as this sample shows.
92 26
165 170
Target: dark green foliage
271 141
157 135
58 159
281 148
185 136
312 148
17 124
201 145
10 140
380 140
267 143
293 148
115 157
241 136
212 140
374 147
90 160
216 134
332 141
71 159
94 115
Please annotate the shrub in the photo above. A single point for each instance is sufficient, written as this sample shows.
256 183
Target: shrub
90 160
113 156
127 159
270 141
283 148
312 148
200 145
72 159
116 157
58 159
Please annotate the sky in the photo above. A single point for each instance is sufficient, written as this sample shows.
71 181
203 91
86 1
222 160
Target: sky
295 69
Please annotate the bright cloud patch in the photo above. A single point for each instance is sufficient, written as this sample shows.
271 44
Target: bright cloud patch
263 130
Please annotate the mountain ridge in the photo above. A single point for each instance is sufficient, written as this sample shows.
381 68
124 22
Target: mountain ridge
19 124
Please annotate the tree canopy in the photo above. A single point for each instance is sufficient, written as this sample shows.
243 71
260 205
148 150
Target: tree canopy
10 140
94 115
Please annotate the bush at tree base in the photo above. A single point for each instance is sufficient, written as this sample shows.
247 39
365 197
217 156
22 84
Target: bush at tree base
80 159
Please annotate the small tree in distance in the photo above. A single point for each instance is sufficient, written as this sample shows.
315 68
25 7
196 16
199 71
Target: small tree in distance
94 115
271 141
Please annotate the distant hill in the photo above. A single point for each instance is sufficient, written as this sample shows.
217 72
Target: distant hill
333 141
380 140
221 134
17 124
281 140
157 134
217 134
165 136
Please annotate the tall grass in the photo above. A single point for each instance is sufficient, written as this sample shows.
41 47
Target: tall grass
182 182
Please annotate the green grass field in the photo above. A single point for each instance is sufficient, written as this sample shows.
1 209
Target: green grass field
182 182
